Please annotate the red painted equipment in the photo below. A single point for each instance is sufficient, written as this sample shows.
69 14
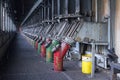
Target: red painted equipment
59 55
43 50
58 60
64 48
35 41
36 44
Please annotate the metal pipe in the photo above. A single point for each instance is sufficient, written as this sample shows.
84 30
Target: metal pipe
58 7
117 29
66 7
48 11
65 29
63 26
68 29
75 28
77 10
53 28
96 10
52 9
93 60
48 15
49 28
109 34
44 12
107 15
71 30
40 30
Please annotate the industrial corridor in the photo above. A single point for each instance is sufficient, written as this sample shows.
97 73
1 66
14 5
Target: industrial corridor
59 39
24 63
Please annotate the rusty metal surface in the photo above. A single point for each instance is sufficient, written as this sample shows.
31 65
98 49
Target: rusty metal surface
96 31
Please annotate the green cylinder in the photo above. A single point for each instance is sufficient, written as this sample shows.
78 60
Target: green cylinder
39 47
49 54
34 43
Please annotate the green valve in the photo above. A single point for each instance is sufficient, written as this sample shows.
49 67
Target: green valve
49 54
39 47
33 43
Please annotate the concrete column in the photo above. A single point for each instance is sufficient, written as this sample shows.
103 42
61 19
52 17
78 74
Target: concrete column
117 29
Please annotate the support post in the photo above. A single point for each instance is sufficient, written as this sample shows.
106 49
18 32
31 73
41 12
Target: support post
93 60
58 7
96 10
77 11
52 10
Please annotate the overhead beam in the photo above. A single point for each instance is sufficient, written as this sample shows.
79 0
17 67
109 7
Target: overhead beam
31 11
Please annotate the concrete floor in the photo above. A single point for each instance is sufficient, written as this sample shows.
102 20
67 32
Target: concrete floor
24 63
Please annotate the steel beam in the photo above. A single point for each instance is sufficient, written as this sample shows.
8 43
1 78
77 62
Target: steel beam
32 10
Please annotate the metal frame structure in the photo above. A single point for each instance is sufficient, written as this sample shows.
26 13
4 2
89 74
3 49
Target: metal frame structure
61 14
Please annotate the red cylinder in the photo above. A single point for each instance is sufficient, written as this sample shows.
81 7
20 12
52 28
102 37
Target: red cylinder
36 44
58 61
43 50
64 48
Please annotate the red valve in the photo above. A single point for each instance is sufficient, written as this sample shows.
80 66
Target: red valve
59 55
64 48
58 61
43 50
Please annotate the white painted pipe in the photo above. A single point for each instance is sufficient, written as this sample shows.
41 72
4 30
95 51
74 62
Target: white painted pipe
106 14
96 10
117 28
